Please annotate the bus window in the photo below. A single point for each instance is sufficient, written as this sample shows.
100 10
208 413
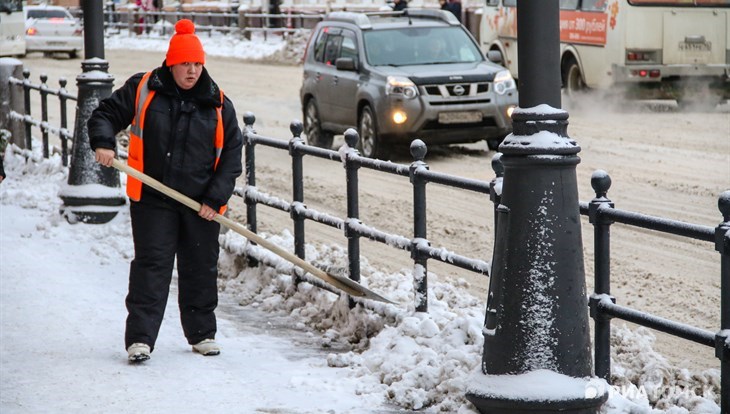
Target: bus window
685 3
594 5
510 3
492 2
568 4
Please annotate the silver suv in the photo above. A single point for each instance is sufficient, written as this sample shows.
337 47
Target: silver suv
397 76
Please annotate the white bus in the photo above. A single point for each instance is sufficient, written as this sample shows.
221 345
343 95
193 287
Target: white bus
656 49
12 28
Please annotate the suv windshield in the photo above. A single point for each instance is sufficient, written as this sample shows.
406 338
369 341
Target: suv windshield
420 46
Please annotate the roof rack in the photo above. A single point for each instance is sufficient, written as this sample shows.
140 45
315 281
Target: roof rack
362 20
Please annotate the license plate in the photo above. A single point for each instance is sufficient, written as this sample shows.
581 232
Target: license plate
460 117
56 43
695 47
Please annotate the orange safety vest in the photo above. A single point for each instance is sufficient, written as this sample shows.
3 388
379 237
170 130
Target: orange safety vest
136 136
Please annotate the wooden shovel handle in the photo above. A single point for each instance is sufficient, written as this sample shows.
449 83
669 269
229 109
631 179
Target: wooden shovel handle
348 286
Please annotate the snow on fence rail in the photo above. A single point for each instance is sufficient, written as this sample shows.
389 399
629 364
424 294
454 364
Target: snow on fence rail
417 172
602 214
19 109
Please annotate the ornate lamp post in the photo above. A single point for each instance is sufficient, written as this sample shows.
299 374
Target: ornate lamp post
93 193
536 326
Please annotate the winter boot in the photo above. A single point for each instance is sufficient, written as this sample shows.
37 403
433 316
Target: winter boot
207 347
138 352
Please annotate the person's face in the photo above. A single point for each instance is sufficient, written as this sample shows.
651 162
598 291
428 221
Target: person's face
186 74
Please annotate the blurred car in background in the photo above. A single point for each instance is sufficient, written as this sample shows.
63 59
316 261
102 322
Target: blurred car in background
397 76
50 29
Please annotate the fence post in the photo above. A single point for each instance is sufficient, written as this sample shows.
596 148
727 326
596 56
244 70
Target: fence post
243 23
353 211
11 100
601 182
131 16
495 186
44 114
64 121
26 100
250 159
420 261
722 339
297 166
493 292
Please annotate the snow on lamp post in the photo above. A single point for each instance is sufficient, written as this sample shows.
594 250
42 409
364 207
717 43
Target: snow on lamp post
93 193
536 355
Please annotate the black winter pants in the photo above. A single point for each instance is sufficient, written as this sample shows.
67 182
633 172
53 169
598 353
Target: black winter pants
160 234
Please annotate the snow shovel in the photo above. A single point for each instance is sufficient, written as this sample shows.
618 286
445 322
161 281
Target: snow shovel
348 286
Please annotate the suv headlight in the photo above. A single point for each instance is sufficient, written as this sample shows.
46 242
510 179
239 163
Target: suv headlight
399 85
503 82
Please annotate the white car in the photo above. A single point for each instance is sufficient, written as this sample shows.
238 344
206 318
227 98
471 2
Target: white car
51 29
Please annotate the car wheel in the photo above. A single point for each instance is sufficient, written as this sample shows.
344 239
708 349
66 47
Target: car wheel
370 144
313 128
73 54
572 78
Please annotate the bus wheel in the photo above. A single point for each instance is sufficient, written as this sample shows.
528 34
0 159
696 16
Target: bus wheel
572 79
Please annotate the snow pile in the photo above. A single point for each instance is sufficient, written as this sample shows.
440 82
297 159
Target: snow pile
274 48
426 360
641 377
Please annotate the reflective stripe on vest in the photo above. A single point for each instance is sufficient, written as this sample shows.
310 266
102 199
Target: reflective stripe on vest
136 137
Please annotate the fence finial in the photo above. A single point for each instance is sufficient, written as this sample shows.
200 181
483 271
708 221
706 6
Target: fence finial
418 150
296 127
723 203
601 182
249 118
62 82
351 137
497 165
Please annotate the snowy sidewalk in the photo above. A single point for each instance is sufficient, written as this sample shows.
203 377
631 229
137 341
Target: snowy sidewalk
62 317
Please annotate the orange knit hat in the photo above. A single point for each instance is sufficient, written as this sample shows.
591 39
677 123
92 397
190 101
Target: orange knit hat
184 45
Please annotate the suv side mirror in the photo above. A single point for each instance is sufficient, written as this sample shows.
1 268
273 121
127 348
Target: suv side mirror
346 64
494 56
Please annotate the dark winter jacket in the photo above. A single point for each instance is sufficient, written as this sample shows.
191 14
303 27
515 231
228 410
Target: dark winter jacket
2 170
179 134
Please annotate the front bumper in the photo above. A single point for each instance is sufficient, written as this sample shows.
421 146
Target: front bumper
53 43
423 119
673 81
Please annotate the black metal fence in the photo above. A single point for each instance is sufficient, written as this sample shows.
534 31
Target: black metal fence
602 214
600 210
417 172
65 136
139 21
